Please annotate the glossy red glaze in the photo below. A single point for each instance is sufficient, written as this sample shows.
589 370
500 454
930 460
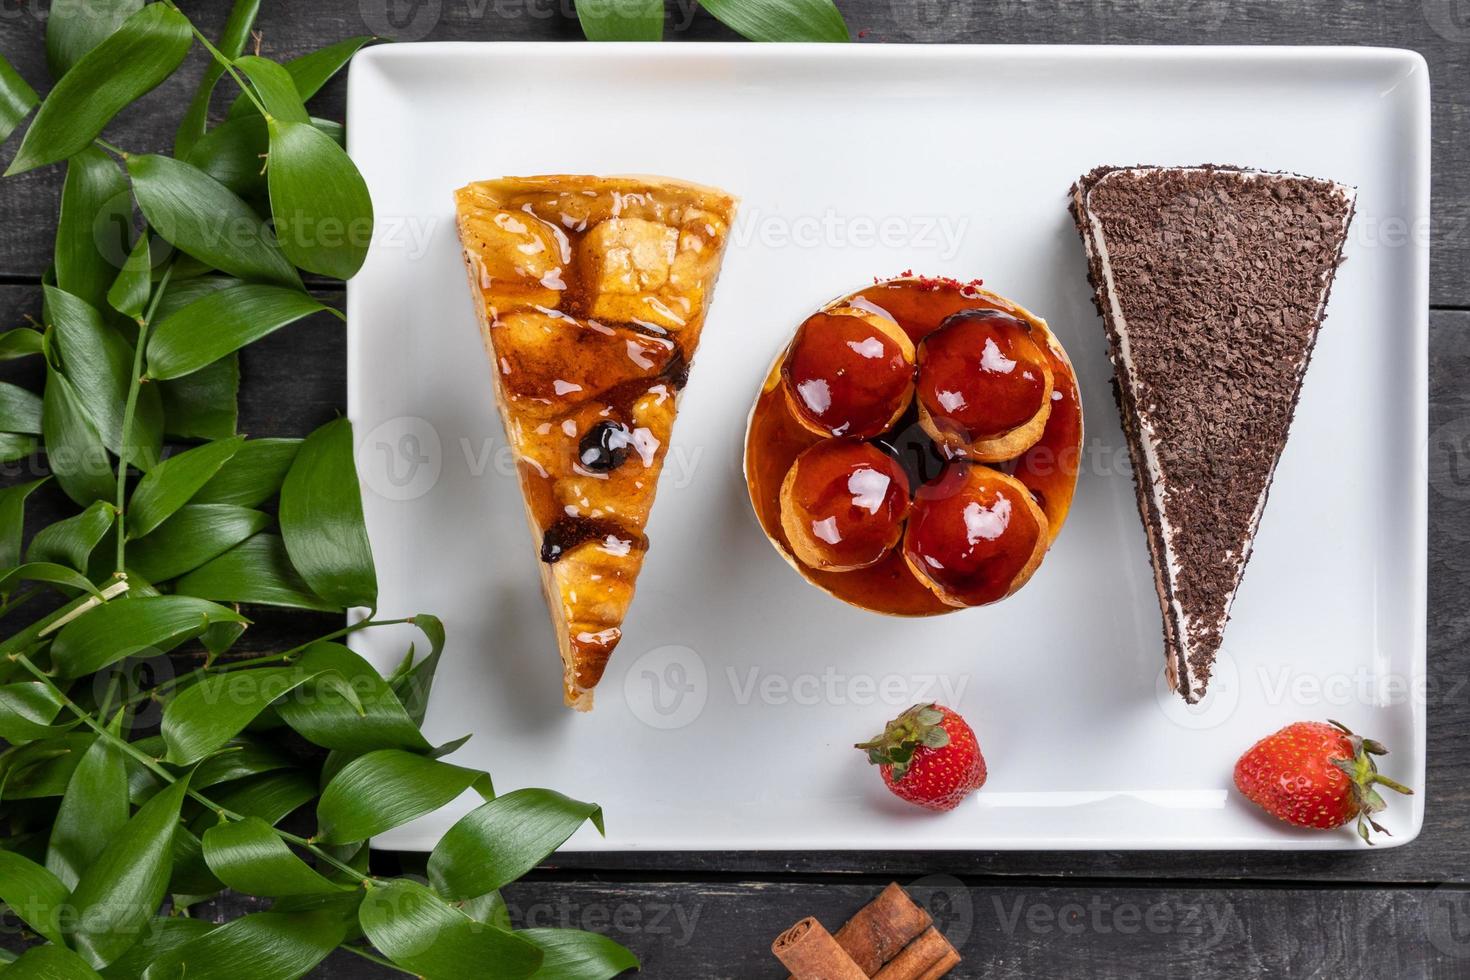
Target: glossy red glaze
848 500
845 376
775 438
971 532
981 374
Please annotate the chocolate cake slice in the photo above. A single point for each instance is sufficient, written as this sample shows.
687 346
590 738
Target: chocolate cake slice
1212 283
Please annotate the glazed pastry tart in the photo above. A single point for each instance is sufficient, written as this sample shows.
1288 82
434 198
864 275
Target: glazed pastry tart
592 293
1212 283
914 449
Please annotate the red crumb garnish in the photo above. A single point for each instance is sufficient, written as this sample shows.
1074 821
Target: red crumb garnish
936 283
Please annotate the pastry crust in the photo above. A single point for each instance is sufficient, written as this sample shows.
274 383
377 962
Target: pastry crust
592 293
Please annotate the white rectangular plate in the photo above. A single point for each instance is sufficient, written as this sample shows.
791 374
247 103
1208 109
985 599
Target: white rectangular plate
727 717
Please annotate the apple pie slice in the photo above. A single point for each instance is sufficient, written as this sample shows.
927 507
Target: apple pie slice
592 294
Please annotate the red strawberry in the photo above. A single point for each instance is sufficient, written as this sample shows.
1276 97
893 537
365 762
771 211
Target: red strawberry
928 756
1316 775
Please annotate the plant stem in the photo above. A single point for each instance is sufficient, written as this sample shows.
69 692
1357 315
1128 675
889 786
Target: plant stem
130 408
269 658
110 147
224 62
153 766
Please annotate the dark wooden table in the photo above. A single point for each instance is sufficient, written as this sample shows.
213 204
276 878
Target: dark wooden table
1387 914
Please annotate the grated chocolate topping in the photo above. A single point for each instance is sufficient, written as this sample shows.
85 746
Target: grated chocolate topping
1221 276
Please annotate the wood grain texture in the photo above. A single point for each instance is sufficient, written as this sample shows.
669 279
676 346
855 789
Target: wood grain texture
1439 29
700 931
1106 915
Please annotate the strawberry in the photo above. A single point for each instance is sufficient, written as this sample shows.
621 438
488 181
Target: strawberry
928 755
1316 775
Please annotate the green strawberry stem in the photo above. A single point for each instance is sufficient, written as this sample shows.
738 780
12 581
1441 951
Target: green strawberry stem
1363 772
921 726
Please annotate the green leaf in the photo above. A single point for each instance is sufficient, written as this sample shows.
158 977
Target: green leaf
198 214
99 363
170 484
32 892
239 759
107 633
193 536
251 476
27 710
386 789
414 684
222 322
164 933
95 225
122 889
12 520
231 43
93 811
234 153
621 20
50 963
181 294
321 519
274 87
20 342
572 954
75 27
71 541
420 932
275 945
137 57
250 857
310 71
780 20
13 446
45 572
257 571
17 99
205 404
74 449
496 843
204 717
321 205
271 797
330 721
129 292
20 409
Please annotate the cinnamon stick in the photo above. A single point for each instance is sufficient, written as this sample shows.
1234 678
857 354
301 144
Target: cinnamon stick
926 958
882 928
810 953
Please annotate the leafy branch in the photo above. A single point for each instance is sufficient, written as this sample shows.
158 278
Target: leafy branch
122 803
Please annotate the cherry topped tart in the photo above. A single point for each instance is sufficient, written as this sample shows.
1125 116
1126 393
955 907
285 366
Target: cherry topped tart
914 448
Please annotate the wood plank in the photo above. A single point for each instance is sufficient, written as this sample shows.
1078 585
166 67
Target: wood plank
1437 28
295 380
716 931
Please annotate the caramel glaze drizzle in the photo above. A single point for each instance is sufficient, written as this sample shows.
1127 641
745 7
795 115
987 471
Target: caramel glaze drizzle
569 532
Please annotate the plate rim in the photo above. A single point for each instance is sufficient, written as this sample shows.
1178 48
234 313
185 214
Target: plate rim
1413 71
